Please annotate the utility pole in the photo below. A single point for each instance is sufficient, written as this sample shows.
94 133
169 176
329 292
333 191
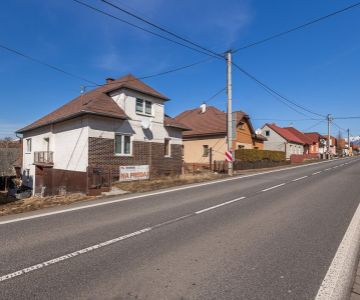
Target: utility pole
229 109
348 140
328 141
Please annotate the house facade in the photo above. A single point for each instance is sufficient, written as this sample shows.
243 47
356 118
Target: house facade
207 139
318 143
121 123
282 139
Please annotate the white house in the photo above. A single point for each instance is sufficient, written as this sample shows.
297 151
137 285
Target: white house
121 123
282 139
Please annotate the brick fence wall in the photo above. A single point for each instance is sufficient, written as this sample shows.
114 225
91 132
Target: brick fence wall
101 154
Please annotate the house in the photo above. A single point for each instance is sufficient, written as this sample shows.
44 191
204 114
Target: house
121 123
282 139
318 143
207 139
10 152
333 145
308 144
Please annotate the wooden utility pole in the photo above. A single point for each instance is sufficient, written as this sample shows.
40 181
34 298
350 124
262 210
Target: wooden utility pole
328 141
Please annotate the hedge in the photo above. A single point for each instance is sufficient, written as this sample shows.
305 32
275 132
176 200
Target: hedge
255 155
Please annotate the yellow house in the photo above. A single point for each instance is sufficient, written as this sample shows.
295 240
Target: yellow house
207 139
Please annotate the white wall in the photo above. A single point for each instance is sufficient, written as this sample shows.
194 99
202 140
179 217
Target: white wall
106 127
68 141
276 142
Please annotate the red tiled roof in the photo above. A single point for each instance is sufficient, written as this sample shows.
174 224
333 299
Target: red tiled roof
314 136
96 102
286 134
300 135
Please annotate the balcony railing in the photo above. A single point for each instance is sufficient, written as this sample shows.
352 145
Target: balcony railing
43 158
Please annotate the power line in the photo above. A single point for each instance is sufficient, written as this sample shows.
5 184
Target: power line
215 95
297 27
142 28
312 126
346 118
272 92
162 73
14 51
161 28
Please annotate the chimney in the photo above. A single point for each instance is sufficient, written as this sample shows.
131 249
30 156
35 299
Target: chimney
203 108
109 79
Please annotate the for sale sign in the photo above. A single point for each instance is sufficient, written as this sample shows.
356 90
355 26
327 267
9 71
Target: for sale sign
130 173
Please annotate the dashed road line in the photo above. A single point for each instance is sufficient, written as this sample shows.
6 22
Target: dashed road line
216 206
107 243
317 173
273 187
327 169
300 178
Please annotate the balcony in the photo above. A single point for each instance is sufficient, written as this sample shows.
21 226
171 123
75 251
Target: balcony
43 158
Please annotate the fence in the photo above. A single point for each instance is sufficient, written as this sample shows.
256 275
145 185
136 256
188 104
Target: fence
98 180
300 158
222 166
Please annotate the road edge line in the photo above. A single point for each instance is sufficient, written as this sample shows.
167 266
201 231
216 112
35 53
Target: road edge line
339 278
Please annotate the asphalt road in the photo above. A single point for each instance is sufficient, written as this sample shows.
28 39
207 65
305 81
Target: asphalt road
270 236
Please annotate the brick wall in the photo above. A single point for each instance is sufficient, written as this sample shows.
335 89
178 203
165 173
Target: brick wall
101 154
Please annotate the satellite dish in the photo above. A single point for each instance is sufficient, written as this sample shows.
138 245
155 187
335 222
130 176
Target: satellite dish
146 124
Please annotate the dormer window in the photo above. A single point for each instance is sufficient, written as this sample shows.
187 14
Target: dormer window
143 107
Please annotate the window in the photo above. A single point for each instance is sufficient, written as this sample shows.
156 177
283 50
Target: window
148 108
167 148
205 150
28 145
122 144
143 106
241 126
267 132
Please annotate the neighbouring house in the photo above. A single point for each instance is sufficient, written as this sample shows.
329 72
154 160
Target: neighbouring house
333 145
318 143
83 143
10 153
282 139
308 144
207 139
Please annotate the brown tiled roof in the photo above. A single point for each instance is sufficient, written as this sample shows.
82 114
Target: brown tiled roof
96 102
171 122
211 122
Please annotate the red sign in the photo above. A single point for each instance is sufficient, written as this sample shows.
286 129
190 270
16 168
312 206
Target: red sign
229 156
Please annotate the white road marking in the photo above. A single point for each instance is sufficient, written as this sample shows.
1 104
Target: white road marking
335 167
40 215
216 206
71 255
299 178
107 243
317 173
339 277
273 187
328 169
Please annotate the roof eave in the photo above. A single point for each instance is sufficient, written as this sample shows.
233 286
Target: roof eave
69 117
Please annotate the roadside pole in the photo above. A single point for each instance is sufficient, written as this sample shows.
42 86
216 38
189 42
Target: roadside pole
348 140
328 141
229 109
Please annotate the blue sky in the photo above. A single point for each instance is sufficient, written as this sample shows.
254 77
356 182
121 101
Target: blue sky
317 67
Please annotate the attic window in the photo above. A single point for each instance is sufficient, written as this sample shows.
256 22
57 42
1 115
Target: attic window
267 132
143 107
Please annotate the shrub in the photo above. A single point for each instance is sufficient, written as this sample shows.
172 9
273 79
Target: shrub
255 155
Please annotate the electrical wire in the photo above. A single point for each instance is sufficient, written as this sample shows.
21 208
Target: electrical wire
274 36
312 126
161 73
38 61
272 91
142 28
161 28
215 95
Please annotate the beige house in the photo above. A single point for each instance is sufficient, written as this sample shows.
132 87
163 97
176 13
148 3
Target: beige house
207 139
